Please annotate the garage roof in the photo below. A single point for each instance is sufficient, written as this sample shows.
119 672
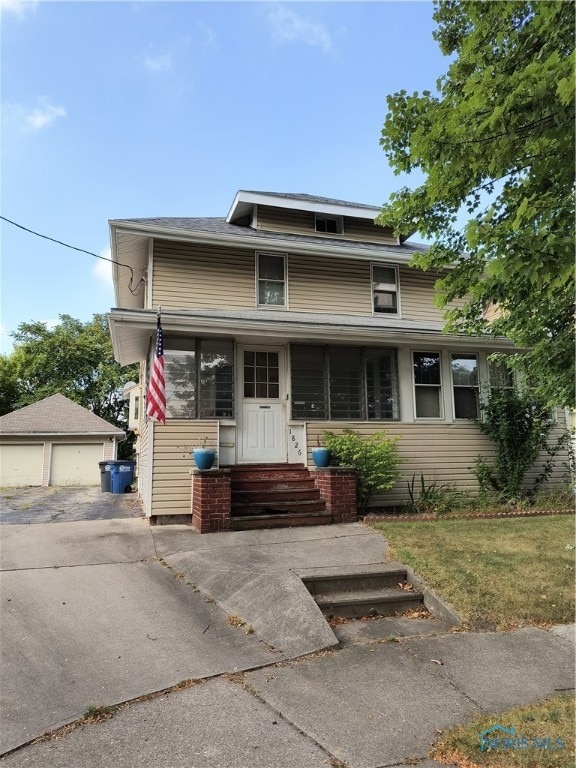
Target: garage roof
55 415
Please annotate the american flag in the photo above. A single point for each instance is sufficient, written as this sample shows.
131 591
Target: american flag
156 395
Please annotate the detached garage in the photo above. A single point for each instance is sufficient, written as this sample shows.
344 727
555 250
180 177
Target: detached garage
55 442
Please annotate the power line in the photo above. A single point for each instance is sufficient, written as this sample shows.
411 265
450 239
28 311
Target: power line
133 290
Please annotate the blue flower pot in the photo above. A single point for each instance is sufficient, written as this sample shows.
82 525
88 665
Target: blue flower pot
321 456
204 458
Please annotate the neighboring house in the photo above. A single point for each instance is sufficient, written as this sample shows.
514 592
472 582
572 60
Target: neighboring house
292 315
55 442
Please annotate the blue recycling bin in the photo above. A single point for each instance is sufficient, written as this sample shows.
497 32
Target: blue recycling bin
121 475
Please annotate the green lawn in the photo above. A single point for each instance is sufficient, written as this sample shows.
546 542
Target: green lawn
543 737
498 574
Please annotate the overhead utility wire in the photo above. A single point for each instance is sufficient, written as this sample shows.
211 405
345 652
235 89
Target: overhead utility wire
133 290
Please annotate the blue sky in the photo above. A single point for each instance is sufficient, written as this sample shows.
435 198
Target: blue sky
115 110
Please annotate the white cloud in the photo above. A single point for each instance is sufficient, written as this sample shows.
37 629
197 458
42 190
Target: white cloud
159 63
44 115
102 270
208 34
17 7
290 27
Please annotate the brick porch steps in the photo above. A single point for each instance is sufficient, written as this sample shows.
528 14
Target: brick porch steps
252 522
273 495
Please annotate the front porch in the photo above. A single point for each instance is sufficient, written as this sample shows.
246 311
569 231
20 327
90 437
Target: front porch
245 497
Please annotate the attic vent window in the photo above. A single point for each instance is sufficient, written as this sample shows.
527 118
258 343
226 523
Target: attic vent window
330 224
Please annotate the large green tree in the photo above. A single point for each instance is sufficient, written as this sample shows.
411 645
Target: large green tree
496 145
74 359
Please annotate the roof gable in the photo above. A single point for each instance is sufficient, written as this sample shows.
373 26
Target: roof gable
55 415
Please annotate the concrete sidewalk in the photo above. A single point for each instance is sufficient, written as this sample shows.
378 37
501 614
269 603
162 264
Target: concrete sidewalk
103 612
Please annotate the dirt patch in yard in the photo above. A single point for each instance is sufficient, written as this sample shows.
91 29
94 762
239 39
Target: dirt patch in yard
60 504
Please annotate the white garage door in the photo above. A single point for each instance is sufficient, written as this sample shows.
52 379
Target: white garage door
76 464
21 464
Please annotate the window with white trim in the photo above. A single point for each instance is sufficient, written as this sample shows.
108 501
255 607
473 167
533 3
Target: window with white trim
465 386
271 280
329 224
427 385
499 375
385 289
199 375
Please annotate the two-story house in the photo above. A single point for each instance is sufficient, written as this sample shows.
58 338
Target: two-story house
292 315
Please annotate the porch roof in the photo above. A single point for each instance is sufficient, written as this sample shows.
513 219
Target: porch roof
133 330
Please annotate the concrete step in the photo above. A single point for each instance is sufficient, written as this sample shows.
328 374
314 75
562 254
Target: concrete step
251 522
381 602
329 581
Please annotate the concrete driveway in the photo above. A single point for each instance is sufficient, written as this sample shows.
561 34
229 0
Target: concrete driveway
102 612
59 504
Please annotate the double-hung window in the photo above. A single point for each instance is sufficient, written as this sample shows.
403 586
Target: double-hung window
385 289
271 280
427 385
465 386
500 376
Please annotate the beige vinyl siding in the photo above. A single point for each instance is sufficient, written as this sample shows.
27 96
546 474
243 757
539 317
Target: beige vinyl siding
444 453
367 232
417 295
202 277
143 464
207 277
274 219
285 220
322 284
171 480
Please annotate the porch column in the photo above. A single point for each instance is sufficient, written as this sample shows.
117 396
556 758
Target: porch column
337 486
211 500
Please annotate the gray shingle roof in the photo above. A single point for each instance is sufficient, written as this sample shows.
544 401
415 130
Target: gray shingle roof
217 225
55 415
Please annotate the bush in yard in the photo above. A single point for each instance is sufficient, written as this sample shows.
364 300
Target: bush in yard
375 459
519 427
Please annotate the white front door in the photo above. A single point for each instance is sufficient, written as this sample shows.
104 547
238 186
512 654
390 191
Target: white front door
263 423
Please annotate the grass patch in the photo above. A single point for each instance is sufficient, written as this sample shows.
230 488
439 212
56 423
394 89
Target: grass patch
96 713
498 574
543 736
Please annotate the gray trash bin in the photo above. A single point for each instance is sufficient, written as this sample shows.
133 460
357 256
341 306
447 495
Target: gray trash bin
105 478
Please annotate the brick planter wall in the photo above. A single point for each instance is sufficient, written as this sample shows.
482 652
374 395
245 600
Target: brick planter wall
211 500
337 486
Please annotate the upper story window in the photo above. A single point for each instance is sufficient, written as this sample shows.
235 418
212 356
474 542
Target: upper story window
330 224
385 289
427 385
271 280
465 386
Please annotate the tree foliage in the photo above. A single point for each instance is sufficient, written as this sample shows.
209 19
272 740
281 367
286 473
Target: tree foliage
496 143
74 359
